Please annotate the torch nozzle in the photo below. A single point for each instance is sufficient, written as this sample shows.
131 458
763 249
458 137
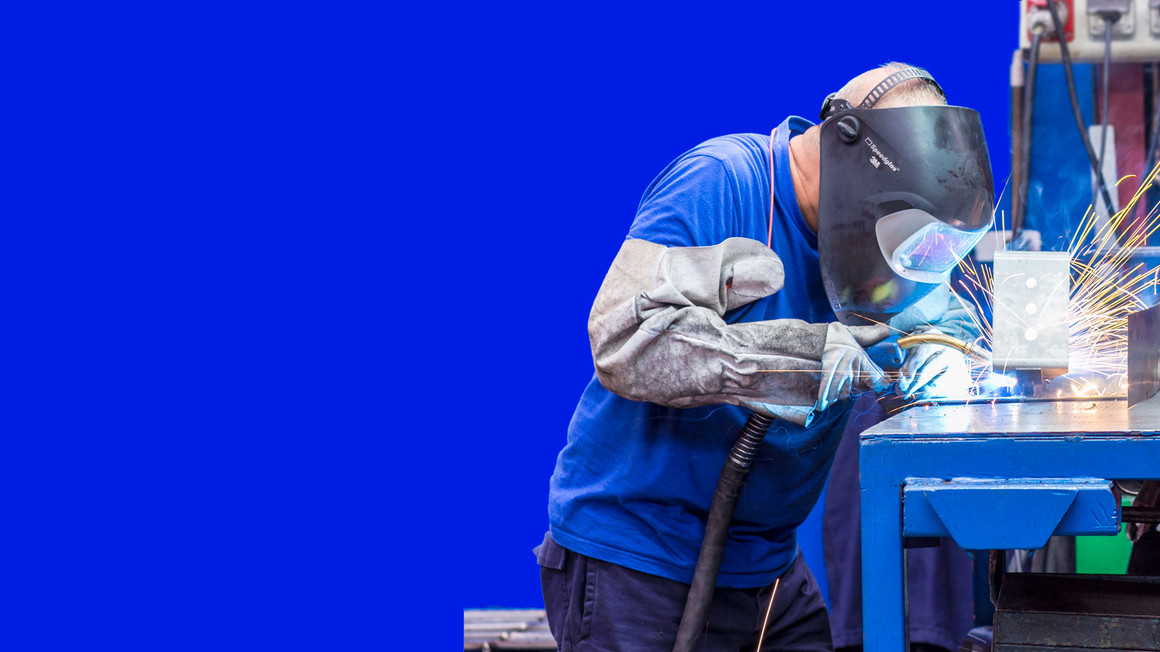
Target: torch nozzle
968 348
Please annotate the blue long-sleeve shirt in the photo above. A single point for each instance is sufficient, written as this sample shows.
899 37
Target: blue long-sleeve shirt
635 481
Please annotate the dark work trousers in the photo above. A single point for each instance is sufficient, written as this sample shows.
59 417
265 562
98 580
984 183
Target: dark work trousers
1145 557
940 580
595 606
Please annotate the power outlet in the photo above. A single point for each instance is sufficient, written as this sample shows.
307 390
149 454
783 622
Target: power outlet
1136 32
1039 16
1124 27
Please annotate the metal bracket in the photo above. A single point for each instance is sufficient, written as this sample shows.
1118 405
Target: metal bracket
982 513
1030 323
1143 355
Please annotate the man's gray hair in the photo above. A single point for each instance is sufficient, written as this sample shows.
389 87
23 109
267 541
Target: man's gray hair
912 92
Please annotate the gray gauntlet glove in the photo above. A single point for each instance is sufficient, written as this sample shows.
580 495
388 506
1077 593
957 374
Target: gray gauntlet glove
658 333
846 367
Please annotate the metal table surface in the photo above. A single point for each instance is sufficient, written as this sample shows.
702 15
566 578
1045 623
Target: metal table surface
1038 440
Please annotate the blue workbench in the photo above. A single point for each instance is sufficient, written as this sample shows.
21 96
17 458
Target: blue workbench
992 475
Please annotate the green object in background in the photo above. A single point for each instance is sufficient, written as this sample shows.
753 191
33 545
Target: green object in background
1103 555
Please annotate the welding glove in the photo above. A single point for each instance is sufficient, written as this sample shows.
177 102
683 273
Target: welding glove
846 367
934 371
658 333
941 310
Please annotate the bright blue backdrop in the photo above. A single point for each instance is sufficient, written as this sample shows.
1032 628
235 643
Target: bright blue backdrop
304 306
307 285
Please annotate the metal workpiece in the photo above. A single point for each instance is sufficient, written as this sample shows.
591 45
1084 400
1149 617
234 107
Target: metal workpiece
1071 386
1094 417
1143 355
1030 325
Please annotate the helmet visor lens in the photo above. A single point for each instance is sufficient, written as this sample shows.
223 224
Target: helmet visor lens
922 248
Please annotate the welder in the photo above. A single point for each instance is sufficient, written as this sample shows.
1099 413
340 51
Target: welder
754 274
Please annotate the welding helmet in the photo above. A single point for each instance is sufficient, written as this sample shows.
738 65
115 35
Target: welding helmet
905 194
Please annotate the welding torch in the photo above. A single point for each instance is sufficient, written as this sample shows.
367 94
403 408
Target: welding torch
890 355
968 348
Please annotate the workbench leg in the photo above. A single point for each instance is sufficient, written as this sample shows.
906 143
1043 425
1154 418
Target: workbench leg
883 578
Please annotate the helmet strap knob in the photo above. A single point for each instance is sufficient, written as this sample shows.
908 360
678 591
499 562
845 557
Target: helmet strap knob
849 128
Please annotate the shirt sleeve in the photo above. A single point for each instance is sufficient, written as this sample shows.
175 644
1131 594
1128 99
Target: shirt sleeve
689 204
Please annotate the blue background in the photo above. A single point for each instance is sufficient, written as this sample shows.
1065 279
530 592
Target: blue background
301 293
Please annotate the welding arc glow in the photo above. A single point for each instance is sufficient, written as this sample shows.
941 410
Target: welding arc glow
1104 291
999 380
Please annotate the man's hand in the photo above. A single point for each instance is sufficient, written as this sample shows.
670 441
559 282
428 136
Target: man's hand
845 364
934 371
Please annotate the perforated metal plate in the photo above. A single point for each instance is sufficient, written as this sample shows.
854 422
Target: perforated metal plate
1030 324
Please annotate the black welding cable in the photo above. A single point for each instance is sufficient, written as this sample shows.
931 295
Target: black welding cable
1104 101
1025 137
1067 72
1018 78
696 614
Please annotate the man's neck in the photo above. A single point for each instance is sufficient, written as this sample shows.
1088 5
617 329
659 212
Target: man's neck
805 168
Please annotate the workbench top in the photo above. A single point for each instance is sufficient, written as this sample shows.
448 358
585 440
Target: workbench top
1099 417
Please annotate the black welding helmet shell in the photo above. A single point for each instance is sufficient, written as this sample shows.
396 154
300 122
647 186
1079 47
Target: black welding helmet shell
905 193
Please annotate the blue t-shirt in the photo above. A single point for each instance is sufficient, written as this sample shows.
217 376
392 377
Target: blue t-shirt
635 481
